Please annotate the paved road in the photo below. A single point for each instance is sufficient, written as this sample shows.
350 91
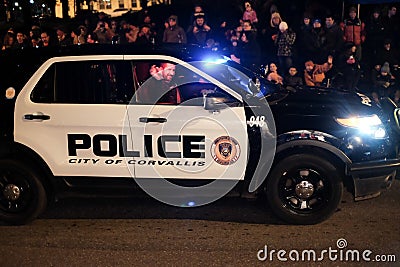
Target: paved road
230 232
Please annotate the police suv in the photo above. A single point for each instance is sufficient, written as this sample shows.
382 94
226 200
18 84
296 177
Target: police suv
185 126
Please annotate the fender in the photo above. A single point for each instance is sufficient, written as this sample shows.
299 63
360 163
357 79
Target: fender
26 154
313 139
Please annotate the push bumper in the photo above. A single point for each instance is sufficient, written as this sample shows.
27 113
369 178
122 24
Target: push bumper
371 178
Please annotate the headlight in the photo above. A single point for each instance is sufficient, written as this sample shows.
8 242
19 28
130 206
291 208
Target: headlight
370 125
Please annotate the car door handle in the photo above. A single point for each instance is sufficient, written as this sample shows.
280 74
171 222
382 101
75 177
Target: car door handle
37 116
147 120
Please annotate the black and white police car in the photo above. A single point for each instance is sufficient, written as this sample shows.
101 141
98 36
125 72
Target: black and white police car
79 119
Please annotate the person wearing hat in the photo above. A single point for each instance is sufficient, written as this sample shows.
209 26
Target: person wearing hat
317 42
199 32
270 33
285 42
198 10
314 74
173 33
354 30
388 53
384 81
250 14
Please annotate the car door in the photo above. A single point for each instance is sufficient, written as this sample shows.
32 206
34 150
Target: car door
71 113
186 140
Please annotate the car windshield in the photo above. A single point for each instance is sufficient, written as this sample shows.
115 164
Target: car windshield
235 76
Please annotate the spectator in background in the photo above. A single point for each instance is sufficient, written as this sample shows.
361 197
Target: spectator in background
354 30
270 33
74 37
349 64
222 34
250 14
384 81
197 11
147 20
21 41
391 24
35 31
9 39
103 32
314 74
145 37
114 27
292 81
388 54
102 17
123 31
334 37
285 42
132 33
273 75
92 38
375 30
174 33
63 37
317 42
46 39
82 34
304 37
247 49
199 32
35 41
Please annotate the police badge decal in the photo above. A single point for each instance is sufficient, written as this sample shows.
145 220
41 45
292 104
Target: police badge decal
225 150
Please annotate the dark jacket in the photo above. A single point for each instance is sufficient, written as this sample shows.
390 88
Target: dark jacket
334 39
174 34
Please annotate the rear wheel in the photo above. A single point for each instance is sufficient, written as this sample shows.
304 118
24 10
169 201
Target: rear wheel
304 189
22 195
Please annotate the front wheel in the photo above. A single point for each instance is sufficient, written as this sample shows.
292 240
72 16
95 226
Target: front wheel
304 189
22 195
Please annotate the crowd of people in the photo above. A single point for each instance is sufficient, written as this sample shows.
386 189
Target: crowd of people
319 51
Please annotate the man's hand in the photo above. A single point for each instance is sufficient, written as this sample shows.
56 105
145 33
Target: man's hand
330 59
156 72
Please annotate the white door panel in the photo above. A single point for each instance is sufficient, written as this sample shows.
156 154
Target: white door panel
49 138
187 137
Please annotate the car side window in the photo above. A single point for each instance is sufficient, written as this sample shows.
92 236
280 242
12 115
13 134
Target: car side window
86 82
167 83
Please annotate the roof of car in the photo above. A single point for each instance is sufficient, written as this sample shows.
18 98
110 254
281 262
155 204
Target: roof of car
22 63
184 52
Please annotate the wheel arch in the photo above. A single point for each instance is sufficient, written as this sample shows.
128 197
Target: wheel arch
324 149
26 155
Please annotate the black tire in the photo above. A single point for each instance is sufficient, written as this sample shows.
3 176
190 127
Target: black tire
22 195
304 189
